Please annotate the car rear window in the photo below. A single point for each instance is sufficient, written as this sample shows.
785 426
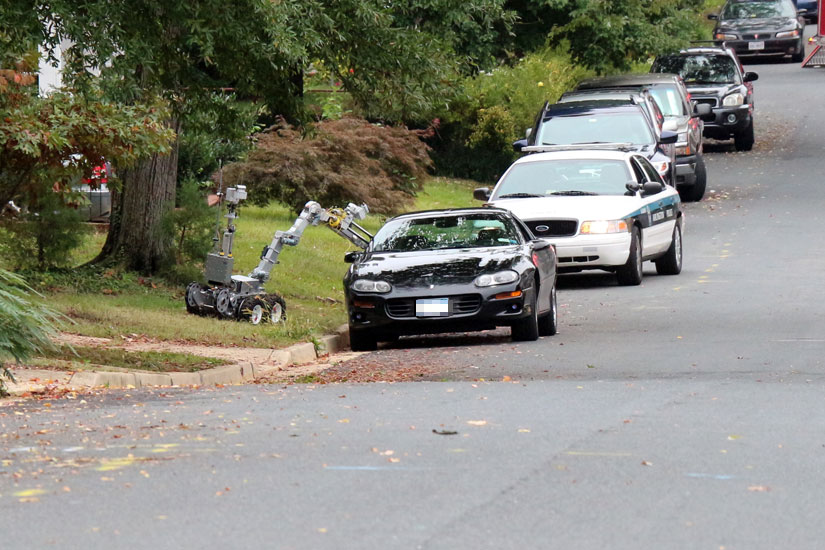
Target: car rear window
564 177
442 232
668 99
595 127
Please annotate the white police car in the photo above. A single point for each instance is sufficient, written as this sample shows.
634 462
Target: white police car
602 207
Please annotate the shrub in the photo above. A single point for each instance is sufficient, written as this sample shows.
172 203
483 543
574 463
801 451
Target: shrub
26 325
192 224
334 162
494 109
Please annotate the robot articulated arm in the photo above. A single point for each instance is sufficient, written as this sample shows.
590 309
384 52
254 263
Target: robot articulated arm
342 221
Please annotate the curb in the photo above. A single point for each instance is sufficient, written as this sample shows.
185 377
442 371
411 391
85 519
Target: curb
226 375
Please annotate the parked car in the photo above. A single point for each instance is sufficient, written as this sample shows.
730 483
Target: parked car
809 9
761 28
714 76
669 93
451 270
605 208
582 123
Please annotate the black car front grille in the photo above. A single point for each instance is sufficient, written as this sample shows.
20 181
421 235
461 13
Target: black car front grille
553 228
459 305
758 36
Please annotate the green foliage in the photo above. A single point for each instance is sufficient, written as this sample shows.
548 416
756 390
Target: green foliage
336 162
475 140
46 235
608 35
26 325
52 141
192 223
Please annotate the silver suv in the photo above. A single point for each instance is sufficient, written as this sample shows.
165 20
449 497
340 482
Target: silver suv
681 116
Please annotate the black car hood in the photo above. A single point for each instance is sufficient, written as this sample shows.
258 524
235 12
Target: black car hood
434 267
712 89
774 24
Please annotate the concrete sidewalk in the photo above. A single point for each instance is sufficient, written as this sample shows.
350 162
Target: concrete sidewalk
31 380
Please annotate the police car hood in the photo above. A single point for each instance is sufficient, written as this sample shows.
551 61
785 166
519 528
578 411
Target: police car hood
589 207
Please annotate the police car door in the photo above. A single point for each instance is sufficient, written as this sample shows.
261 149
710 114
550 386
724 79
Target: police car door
658 214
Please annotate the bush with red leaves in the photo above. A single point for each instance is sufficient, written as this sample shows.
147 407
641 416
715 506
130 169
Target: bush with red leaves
334 162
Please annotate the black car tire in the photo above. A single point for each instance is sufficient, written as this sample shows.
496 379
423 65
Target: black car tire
671 262
359 340
549 322
695 192
630 274
744 139
800 56
527 329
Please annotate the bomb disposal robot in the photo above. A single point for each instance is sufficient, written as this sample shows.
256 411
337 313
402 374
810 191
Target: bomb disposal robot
242 297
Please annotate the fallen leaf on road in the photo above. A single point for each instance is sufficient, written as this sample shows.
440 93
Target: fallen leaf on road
646 463
444 432
477 422
759 489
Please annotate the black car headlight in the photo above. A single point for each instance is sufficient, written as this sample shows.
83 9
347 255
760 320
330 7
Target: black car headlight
726 35
367 285
499 278
733 100
788 34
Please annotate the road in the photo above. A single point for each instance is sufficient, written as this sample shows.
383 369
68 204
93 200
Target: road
685 413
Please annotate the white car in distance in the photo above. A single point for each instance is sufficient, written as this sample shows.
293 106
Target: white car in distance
604 207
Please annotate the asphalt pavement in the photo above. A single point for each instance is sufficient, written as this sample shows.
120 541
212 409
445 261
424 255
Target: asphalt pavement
681 414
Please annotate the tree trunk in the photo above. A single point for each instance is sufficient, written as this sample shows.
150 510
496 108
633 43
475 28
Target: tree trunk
136 235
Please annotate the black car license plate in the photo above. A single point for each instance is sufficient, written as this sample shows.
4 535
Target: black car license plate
432 307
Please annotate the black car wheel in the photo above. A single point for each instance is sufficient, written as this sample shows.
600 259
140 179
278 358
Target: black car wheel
549 322
630 274
671 262
744 139
359 340
695 192
527 329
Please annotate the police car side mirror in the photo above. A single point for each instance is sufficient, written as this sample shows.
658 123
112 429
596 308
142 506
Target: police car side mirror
481 194
651 188
750 76
519 145
353 256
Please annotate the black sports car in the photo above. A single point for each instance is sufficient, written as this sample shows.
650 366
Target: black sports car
455 270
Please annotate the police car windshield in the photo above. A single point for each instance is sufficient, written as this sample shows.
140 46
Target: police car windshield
700 68
759 9
441 232
595 127
565 177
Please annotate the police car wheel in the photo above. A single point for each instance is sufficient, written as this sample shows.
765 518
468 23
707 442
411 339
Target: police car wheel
671 262
630 274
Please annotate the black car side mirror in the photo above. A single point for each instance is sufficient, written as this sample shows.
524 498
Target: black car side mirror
651 188
713 16
353 256
481 193
668 137
750 76
519 145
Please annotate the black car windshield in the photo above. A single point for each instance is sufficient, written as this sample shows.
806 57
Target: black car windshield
595 127
565 177
470 230
700 68
758 9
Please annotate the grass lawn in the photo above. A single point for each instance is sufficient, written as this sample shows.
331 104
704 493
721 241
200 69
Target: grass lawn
308 277
84 358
